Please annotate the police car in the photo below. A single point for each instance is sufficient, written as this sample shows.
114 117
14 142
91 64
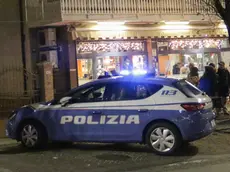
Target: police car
160 112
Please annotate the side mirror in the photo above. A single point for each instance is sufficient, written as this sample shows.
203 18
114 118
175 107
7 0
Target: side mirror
65 100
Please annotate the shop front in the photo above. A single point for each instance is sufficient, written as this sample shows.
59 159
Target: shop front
98 58
174 56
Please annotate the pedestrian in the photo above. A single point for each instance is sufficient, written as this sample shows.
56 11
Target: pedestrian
208 82
193 76
223 85
213 66
216 77
176 69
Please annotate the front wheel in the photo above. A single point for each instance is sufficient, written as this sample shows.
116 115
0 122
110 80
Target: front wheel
163 138
33 135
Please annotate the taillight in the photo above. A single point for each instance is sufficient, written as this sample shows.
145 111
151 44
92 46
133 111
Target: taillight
193 106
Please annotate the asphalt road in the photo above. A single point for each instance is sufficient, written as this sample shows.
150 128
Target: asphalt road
212 151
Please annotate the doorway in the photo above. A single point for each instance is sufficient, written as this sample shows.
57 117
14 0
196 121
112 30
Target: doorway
85 70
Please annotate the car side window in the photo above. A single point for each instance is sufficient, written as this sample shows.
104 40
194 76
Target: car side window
129 91
93 93
154 88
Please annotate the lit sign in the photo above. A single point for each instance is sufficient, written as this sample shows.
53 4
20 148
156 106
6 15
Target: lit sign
86 47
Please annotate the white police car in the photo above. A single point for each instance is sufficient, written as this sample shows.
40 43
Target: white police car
159 112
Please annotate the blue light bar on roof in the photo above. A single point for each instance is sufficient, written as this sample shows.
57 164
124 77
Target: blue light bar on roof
134 72
139 72
125 72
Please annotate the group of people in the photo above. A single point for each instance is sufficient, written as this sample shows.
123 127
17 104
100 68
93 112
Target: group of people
214 82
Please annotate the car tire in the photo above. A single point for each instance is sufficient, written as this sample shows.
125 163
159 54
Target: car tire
33 135
163 138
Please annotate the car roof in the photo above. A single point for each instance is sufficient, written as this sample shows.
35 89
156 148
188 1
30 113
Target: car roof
153 80
144 79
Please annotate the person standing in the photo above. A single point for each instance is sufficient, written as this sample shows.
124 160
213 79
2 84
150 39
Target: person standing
208 82
213 66
193 76
223 85
176 69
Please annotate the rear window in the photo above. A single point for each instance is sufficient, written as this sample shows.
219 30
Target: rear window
187 88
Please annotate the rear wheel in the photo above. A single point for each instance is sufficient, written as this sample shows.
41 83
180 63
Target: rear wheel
33 135
163 138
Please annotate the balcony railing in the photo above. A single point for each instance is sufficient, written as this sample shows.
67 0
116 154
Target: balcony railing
151 7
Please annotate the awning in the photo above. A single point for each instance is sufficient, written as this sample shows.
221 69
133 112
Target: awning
143 34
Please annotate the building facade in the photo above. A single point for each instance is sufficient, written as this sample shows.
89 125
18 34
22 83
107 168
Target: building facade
84 38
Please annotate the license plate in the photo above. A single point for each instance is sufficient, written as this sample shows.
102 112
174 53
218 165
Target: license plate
213 123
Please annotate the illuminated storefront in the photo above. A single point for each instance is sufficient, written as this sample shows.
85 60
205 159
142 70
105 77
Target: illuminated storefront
97 58
174 56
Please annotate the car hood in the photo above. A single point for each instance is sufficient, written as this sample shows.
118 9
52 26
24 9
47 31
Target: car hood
37 105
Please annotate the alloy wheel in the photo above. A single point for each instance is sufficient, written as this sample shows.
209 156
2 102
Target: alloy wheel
29 135
162 139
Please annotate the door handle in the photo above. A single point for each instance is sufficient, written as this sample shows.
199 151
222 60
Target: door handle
97 112
143 110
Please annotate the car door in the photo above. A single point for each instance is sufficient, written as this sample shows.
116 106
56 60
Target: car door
125 112
79 119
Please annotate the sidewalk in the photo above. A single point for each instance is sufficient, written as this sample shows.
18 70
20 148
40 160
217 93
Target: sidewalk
6 141
224 167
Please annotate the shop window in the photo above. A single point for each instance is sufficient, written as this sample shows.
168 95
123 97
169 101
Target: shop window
85 70
196 59
139 62
211 58
179 63
107 64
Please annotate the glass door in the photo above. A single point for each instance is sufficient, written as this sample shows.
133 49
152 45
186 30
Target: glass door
107 64
139 63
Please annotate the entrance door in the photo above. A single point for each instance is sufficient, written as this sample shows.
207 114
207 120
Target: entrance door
107 64
85 70
140 64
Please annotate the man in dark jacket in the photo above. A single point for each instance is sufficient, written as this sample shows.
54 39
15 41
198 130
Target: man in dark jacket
223 85
193 76
208 82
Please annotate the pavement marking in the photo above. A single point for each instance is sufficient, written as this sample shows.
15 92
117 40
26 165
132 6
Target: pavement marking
187 162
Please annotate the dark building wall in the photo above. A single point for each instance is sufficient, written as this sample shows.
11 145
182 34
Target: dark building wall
11 72
65 78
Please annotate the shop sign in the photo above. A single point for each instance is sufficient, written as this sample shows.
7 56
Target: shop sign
87 47
195 44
